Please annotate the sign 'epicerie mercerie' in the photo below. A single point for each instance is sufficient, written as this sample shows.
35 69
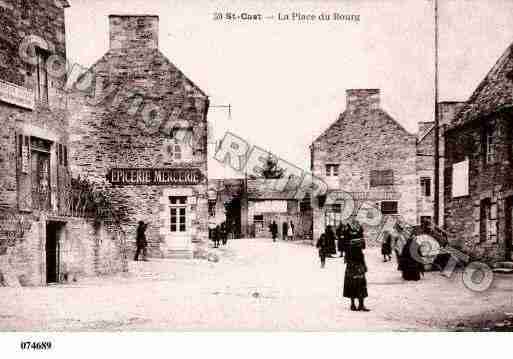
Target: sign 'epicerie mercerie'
154 176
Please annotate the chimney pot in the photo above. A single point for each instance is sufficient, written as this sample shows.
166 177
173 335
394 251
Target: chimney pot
367 99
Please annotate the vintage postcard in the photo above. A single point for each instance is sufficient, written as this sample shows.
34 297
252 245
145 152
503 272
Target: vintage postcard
255 166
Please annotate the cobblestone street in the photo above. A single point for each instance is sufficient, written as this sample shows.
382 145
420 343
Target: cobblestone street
256 285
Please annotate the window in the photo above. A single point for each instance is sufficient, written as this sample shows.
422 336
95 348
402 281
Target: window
425 185
174 151
484 218
332 170
381 178
425 221
258 218
178 211
333 215
490 135
42 77
389 207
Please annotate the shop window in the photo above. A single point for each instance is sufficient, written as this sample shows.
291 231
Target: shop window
389 207
381 178
425 185
42 76
178 212
332 170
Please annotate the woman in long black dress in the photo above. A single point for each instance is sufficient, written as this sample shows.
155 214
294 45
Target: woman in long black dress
330 237
322 245
410 263
386 246
355 283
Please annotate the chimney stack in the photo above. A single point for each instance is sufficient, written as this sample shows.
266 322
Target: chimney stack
133 32
362 99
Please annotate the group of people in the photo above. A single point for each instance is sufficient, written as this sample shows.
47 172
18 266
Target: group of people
330 241
219 234
407 252
287 230
351 244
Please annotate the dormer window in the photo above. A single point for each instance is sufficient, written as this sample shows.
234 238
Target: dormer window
175 151
332 170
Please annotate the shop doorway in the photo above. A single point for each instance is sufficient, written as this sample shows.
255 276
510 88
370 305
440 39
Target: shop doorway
509 228
54 231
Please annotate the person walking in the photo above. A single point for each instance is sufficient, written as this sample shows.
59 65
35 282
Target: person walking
410 262
330 237
224 233
386 246
341 234
397 246
273 228
355 282
284 230
215 236
141 242
322 245
290 231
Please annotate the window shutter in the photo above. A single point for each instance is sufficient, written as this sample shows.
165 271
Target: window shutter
23 172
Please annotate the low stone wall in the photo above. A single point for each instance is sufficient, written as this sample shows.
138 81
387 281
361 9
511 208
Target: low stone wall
84 249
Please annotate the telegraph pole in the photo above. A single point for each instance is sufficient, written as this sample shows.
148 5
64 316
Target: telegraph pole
437 129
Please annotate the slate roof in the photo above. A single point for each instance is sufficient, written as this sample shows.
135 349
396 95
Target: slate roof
493 93
346 115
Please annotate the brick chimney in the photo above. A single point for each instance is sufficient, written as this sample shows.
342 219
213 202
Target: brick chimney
362 99
133 32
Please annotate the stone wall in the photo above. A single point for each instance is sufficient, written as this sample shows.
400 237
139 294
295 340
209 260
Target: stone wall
126 120
21 19
85 249
486 181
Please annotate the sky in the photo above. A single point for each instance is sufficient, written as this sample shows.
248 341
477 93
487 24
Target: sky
286 80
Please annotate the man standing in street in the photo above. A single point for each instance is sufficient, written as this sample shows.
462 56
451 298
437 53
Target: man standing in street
274 230
141 242
285 230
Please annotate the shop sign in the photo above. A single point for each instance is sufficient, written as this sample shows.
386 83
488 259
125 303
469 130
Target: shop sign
154 176
17 95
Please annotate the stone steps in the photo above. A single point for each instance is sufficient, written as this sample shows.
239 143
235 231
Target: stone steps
179 254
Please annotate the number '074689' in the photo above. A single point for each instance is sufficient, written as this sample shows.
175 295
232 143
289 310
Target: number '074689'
36 345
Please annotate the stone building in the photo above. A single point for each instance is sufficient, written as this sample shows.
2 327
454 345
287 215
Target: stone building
42 239
425 162
141 130
478 187
366 155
